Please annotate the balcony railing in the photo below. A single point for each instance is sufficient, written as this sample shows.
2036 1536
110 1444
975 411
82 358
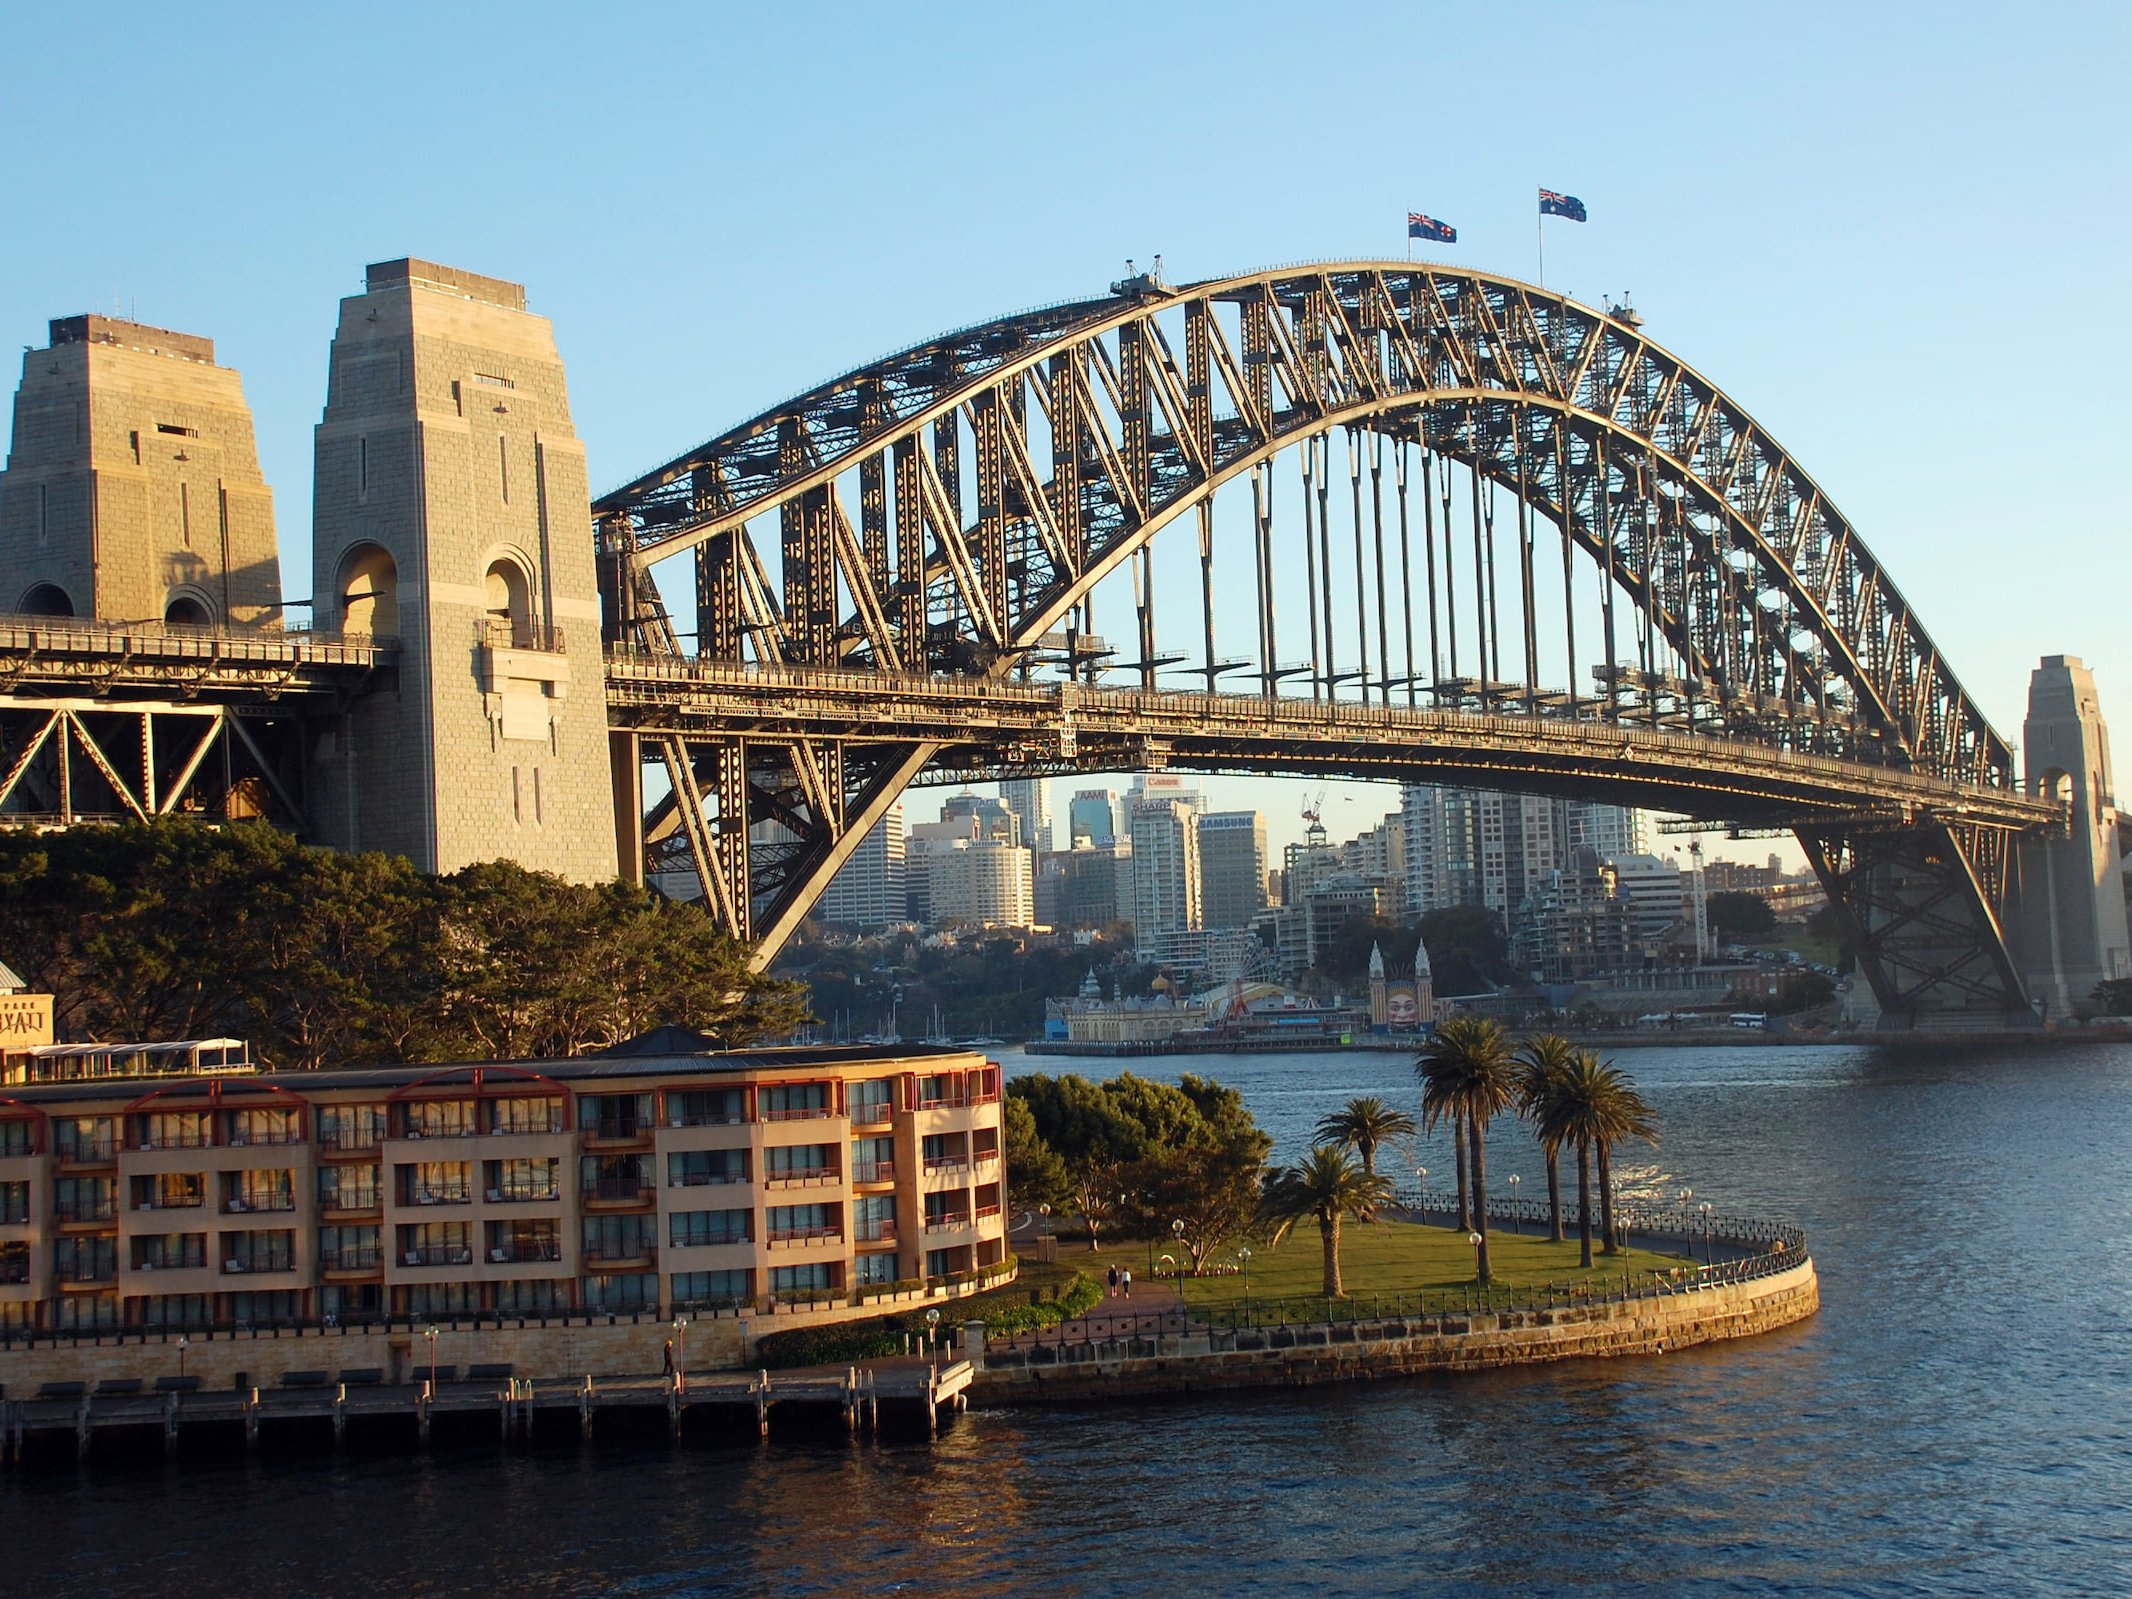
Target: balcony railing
984 1157
185 1138
987 1210
528 1126
873 1171
13 1273
439 1194
800 1176
523 1249
351 1140
805 1113
414 1130
873 1114
240 1265
502 633
706 1118
184 1260
240 1137
361 1258
616 1130
876 1232
352 1199
83 1210
618 1191
947 1221
803 1235
88 1152
708 1179
940 1164
712 1240
946 1102
245 1204
85 1271
14 1215
438 1255
623 1255
522 1193
170 1202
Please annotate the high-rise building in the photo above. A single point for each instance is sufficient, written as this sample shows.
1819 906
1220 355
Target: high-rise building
1092 818
1028 799
1478 846
1165 835
132 491
1608 831
1232 868
868 891
991 818
980 882
1162 786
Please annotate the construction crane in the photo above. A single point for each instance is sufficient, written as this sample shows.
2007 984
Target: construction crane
1314 820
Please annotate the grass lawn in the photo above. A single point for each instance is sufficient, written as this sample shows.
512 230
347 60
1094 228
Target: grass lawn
1396 1257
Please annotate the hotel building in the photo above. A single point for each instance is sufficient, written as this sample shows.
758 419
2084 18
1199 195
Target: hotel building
639 1180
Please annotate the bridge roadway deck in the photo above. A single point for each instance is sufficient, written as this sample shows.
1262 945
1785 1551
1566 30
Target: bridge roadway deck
911 1387
51 657
1053 725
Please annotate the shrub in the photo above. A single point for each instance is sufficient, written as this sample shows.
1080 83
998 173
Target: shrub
879 1337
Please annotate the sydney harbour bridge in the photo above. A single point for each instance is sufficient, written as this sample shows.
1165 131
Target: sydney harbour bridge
1374 520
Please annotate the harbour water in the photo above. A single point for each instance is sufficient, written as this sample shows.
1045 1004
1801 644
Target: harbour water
1957 1421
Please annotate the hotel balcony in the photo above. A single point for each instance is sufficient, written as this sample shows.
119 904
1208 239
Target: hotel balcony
611 1134
803 1237
340 1264
611 1194
804 1177
624 1259
872 1171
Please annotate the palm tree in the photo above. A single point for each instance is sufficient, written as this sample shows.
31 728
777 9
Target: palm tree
1594 1107
1327 1186
1466 1073
1539 1064
1363 1125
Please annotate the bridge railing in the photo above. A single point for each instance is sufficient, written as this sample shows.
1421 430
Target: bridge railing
74 635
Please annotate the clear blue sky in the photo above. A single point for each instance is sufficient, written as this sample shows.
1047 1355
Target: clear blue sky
1896 233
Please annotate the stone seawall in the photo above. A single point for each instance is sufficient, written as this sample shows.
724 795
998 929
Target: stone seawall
1279 1357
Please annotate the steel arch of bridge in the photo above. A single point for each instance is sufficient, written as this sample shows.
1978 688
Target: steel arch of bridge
1789 631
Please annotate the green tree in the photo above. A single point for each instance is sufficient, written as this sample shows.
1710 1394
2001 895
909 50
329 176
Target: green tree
1539 1067
1466 1073
1035 1173
1364 1125
1325 1186
1213 1188
1594 1107
1468 949
1737 918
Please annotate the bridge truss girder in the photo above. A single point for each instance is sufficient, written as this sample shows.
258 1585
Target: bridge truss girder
69 761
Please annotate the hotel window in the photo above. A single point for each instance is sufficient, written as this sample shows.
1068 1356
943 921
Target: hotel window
711 1290
79 1199
349 1249
873 1101
349 1187
609 1238
438 1118
874 1271
701 1168
796 1223
170 1190
84 1138
442 1299
244 1191
798 1160
351 1302
706 1107
173 1129
873 1160
694 1228
170 1311
951 1209
437 1182
17 1138
84 1260
83 1312
526 1115
873 1218
939 1262
351 1127
944 1151
794 1101
14 1204
280 1125
944 1089
525 1239
14 1263
536 1298
435 1243
254 1252
614 1178
511 1181
614 1115
170 1252
620 1291
819 1279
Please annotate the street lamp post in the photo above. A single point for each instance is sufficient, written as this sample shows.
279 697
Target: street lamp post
1709 1254
680 1354
1475 1240
430 1333
1244 1255
183 1345
932 1337
1514 1181
1687 1234
1421 1189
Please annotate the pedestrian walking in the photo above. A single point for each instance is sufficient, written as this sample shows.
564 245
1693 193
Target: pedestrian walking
669 1357
1114 1280
1126 1277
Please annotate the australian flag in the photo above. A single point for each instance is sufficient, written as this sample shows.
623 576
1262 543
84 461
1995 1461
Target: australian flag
1421 227
1561 205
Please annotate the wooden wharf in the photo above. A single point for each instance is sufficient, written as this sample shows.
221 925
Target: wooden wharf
73 1415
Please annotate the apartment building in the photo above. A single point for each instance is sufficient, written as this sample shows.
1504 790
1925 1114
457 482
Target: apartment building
629 1181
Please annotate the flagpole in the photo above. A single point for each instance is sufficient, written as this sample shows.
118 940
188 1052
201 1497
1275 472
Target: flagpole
1540 226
